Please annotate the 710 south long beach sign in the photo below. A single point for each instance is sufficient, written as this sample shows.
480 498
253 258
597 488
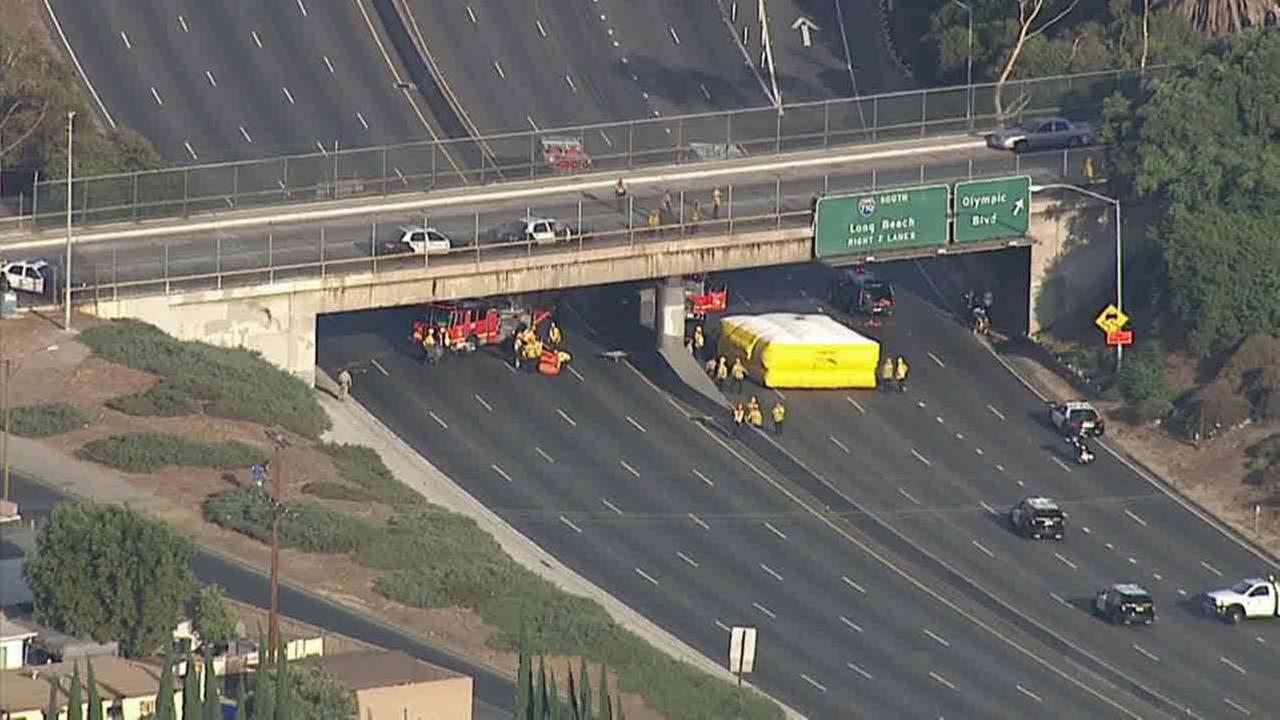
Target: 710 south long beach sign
919 217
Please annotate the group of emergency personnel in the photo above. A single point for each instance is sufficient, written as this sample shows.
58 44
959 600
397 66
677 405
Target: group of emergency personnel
528 347
752 413
893 373
435 341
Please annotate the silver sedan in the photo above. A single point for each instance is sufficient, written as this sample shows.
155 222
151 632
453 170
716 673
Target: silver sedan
1042 133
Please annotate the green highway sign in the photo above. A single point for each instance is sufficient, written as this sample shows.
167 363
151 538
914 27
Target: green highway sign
868 223
992 209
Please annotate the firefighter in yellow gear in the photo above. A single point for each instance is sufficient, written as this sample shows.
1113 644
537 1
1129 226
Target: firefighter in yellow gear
739 417
753 405
699 341
779 414
554 336
722 372
886 373
739 374
429 347
900 370
755 416
518 349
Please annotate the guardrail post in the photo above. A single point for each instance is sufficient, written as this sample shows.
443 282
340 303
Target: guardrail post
218 261
322 247
373 245
1065 163
683 231
477 237
533 156
284 178
134 209
777 203
166 268
730 208
728 129
115 276
873 178
826 124
384 170
235 185
631 214
580 231
680 139
875 119
777 134
35 201
271 263
631 142
924 105
434 145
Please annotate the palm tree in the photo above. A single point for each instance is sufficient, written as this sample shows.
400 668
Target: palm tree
75 705
1222 17
95 700
164 698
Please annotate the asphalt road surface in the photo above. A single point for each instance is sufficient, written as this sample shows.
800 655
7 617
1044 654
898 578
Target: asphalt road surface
686 526
943 462
216 81
353 245
491 692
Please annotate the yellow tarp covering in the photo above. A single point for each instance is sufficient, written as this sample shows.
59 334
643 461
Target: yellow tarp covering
786 350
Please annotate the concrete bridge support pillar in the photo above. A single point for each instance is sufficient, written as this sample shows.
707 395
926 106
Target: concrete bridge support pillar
670 309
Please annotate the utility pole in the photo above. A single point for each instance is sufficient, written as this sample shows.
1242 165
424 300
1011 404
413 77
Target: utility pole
5 371
278 513
66 269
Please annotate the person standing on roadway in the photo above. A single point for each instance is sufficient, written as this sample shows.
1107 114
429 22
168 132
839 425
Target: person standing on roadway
779 414
699 342
344 384
666 208
620 195
739 374
554 336
900 370
655 220
696 217
739 417
429 347
715 204
518 348
755 415
886 373
722 372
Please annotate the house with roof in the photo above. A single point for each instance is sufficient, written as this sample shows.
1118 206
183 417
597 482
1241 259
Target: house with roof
391 685
127 687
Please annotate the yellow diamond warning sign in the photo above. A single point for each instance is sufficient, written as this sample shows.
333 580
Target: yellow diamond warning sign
1112 319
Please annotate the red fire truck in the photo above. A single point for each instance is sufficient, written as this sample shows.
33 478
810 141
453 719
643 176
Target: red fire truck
471 324
703 296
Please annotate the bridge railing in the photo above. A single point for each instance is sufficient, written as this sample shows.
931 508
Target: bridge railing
110 271
614 147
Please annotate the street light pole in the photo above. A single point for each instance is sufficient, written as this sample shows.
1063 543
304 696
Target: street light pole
1119 247
278 512
66 268
7 375
968 70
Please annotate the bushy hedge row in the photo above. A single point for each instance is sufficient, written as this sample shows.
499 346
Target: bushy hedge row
148 452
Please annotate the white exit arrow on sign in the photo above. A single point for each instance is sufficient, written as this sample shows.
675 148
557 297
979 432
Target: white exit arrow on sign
806 27
1018 206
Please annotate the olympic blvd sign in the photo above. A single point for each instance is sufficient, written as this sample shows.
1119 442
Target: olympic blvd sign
992 209
867 223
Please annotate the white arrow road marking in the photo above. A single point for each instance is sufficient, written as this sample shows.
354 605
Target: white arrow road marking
806 28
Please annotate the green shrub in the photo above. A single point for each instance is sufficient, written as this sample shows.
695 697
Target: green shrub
362 466
1149 411
306 527
1218 404
161 400
40 421
336 491
1142 377
148 452
225 382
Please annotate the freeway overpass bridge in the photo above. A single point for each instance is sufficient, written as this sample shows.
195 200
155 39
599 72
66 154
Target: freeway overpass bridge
260 280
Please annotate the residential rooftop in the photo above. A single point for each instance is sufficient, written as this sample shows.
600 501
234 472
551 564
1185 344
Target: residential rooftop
378 668
28 688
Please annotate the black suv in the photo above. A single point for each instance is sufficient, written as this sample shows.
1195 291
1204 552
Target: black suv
1125 604
1038 517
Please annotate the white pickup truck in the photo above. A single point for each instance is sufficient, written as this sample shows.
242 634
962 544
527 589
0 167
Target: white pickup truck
1250 598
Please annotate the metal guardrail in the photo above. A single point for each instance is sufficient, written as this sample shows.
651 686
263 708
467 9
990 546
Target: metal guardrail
285 254
610 147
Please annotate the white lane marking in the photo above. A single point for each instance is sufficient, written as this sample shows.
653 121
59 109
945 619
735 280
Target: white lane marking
156 95
541 30
1000 468
1211 568
908 496
363 123
936 637
939 419
1109 546
646 576
959 436
288 95
686 558
1145 652
1157 576
1135 518
577 374
1060 463
303 8
722 626
439 422
605 136
1261 640
187 144
183 23
705 92
853 584
321 148
374 362
483 402
776 531
209 76
921 458
941 679
498 66
611 506
125 38
1238 707
1233 666
703 478
771 572
1059 598
671 29
501 473
566 418
978 450
569 522
635 424
988 508
1065 561
851 624
855 404
1132 561
995 412
245 134
765 610
1029 694
569 79
1182 592
807 679
256 40
937 359
328 64
544 454
626 466
1085 529
859 670
698 521
839 444
978 545
471 14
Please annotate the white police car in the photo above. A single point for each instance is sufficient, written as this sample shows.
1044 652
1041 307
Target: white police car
1077 417
26 275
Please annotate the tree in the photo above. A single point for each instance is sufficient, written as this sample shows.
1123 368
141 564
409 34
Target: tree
540 695
95 697
211 705
36 90
145 565
242 704
164 696
554 706
584 705
191 706
313 694
211 617
604 692
1223 17
284 695
75 701
524 682
1029 12
264 693
52 708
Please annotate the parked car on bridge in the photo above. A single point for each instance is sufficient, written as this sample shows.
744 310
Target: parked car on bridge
1042 133
421 240
25 275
